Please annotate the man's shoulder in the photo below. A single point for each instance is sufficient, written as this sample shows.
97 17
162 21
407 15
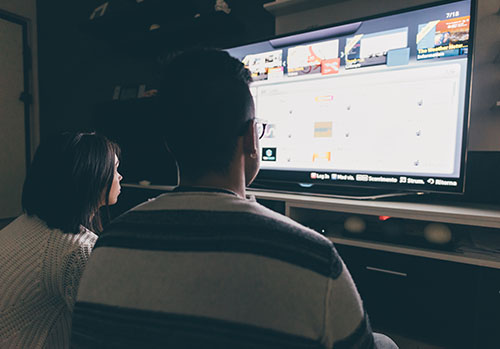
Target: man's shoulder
208 223
221 212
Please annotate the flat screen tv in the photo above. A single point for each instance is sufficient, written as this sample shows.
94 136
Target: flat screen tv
373 103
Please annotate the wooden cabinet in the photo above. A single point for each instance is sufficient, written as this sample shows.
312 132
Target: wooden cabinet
487 328
432 300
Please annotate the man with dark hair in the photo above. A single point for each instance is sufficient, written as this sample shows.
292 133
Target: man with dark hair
204 266
207 110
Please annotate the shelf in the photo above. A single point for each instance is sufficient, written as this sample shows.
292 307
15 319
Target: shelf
477 217
469 257
148 33
456 213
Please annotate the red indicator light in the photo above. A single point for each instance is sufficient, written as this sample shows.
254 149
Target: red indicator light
383 218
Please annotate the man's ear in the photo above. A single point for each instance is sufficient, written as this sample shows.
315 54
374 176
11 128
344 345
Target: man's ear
250 147
177 168
165 144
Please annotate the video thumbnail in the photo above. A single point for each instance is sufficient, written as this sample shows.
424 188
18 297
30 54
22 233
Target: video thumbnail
321 58
266 65
372 49
443 38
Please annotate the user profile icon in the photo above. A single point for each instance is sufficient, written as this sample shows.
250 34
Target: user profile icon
268 154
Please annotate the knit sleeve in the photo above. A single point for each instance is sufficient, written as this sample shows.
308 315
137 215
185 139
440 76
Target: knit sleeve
74 265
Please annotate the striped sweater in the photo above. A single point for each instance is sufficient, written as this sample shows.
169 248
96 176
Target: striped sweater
205 268
39 273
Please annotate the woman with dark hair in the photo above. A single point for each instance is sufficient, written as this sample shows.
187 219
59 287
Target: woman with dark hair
44 251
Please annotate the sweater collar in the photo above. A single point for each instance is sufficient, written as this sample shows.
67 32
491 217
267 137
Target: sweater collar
186 189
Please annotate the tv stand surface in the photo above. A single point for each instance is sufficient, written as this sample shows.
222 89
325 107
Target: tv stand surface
308 208
313 189
350 195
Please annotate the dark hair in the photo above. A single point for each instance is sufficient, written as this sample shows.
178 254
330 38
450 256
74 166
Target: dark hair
205 101
67 179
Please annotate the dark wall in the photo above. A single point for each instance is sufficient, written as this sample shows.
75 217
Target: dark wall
79 66
66 57
81 61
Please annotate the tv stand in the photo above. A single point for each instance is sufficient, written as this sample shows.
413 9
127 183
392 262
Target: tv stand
443 294
379 196
349 195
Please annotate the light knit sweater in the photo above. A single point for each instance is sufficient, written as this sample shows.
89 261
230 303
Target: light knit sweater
40 269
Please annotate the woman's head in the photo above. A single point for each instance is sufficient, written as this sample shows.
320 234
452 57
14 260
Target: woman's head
72 175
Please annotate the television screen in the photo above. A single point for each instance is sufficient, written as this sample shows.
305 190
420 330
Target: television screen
379 102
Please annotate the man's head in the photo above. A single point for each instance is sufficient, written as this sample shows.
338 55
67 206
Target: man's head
207 114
